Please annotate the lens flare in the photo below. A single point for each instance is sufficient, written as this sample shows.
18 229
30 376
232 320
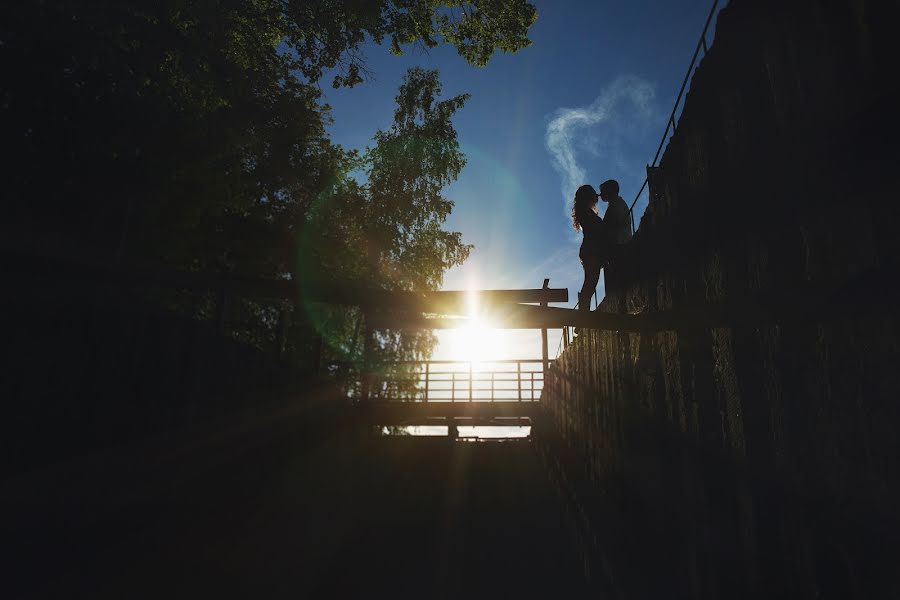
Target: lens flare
477 342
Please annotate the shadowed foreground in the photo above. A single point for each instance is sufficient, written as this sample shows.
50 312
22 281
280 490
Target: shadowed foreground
285 505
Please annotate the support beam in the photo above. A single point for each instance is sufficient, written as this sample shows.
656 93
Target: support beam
451 302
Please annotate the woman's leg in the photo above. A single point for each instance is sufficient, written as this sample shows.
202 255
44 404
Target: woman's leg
591 265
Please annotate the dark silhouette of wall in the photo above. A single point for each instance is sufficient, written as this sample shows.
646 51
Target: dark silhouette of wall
755 459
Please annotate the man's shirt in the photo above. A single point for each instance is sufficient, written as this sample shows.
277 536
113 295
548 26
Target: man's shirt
618 220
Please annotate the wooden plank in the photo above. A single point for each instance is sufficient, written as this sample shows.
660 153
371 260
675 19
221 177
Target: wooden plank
448 302
513 316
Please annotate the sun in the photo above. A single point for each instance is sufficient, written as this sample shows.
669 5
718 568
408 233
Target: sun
477 342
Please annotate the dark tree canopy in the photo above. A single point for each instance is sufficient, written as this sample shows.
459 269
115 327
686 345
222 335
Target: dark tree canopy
122 116
328 33
193 133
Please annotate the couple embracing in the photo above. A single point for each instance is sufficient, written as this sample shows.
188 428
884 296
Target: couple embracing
600 234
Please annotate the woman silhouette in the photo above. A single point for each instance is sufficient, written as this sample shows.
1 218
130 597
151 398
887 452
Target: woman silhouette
586 220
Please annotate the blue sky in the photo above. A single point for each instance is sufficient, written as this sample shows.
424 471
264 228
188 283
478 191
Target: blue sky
588 101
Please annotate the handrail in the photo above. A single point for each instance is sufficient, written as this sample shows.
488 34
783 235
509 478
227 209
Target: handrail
463 385
671 122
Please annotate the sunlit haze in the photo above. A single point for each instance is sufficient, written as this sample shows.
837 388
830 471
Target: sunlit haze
477 341
480 341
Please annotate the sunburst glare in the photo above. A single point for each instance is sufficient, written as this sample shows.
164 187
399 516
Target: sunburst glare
477 342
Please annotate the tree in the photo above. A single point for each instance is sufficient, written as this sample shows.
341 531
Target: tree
326 34
387 232
191 133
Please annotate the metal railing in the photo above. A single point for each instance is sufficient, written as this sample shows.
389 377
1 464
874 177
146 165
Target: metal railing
671 124
451 381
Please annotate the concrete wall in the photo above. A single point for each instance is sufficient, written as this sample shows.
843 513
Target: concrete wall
755 458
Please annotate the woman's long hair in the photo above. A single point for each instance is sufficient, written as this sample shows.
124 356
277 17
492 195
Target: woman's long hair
585 199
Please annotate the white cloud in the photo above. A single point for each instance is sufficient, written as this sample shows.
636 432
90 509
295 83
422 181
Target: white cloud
624 109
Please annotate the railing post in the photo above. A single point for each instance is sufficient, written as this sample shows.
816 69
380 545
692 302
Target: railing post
519 378
453 386
492 386
470 381
427 376
545 352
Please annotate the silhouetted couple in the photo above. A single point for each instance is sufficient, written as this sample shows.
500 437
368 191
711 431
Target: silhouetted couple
601 235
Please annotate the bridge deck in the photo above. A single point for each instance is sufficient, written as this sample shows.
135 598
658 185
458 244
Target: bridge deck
419 413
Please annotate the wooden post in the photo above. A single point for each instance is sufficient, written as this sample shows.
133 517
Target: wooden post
470 381
427 376
545 352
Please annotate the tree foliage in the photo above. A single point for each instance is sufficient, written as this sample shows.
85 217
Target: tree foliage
192 133
387 232
329 33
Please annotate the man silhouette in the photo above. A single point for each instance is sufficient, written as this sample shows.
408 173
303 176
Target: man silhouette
617 219
617 227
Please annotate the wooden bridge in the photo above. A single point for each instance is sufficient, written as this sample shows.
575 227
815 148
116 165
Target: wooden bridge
501 392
